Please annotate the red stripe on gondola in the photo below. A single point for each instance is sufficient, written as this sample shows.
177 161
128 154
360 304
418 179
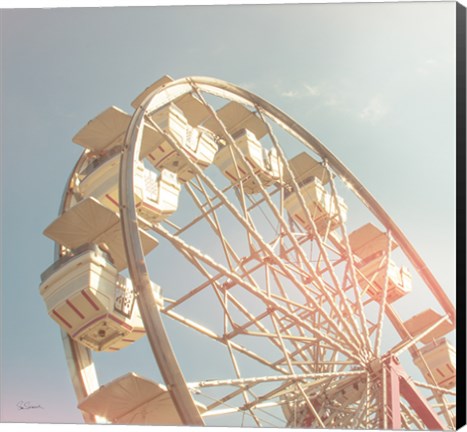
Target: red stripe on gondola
88 325
89 299
139 331
299 218
128 340
150 207
69 303
231 176
115 203
63 320
165 157
440 372
113 318
440 383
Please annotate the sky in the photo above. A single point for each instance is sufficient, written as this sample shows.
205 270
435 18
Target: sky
374 82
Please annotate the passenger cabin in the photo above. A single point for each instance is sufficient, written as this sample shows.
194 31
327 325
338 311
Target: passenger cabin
156 196
265 163
131 399
91 222
437 362
421 322
106 132
95 305
192 107
197 143
235 117
311 177
370 245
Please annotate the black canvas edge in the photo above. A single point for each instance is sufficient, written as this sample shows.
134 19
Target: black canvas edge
461 214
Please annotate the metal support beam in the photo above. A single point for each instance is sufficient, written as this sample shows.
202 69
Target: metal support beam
419 404
393 411
400 384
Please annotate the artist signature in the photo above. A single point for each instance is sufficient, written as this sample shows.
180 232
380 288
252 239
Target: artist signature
25 405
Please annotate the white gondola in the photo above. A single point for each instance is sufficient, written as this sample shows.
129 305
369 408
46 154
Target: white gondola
370 244
369 240
156 196
303 166
107 131
131 399
91 222
234 118
265 163
321 206
193 109
423 321
399 280
95 305
437 362
197 143
311 177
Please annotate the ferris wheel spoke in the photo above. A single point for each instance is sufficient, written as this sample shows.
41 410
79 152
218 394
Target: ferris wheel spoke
228 249
214 223
434 388
311 222
257 292
307 342
246 410
291 368
238 374
237 329
174 303
350 258
219 338
253 320
382 309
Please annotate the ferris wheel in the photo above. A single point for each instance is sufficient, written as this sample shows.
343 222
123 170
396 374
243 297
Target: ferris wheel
300 293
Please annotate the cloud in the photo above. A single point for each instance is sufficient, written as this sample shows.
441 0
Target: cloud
290 94
313 90
299 92
374 110
249 85
427 67
332 100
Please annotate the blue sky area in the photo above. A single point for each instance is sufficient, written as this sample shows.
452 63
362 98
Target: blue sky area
374 82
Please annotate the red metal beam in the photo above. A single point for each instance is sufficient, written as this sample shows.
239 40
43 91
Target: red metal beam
393 395
410 393
420 405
